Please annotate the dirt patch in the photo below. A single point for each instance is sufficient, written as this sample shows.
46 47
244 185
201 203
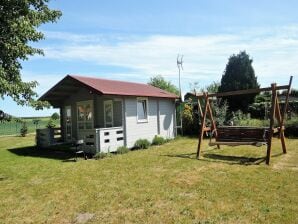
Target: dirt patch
83 217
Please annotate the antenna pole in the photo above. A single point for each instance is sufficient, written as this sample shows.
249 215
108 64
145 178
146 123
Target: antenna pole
180 66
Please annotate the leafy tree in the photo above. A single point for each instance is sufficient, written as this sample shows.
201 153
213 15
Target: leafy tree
51 123
213 87
159 82
36 122
239 74
19 20
24 129
55 116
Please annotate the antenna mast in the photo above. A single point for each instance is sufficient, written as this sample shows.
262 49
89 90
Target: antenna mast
180 66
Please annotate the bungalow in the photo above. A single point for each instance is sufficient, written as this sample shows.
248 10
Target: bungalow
107 114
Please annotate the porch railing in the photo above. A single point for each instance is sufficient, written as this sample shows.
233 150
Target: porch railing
48 136
102 139
95 140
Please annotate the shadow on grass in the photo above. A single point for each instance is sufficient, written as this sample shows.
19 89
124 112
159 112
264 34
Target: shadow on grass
31 151
243 160
228 159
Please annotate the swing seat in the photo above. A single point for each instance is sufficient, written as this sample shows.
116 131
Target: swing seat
241 135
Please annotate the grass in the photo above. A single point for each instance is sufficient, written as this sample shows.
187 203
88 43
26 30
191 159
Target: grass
164 184
13 128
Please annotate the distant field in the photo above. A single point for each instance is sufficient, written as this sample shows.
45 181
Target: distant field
13 127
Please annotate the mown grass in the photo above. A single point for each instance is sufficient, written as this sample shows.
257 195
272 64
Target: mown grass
162 184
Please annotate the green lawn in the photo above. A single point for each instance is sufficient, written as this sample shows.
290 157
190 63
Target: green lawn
164 184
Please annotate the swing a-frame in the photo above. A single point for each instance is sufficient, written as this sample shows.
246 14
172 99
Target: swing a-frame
239 135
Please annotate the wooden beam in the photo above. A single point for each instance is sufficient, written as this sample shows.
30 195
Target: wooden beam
271 128
212 121
242 92
281 129
200 108
201 134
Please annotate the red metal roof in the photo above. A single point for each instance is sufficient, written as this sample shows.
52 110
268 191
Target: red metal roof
113 87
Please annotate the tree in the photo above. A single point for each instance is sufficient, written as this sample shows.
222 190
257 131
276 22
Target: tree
19 20
239 74
159 82
55 116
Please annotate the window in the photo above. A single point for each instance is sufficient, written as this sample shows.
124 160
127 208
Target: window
85 115
108 113
142 109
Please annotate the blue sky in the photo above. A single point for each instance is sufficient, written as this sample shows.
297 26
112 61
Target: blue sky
134 40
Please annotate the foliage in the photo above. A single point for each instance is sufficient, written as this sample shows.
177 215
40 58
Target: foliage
122 150
159 82
55 116
24 129
5 117
51 123
220 112
19 20
142 144
239 74
187 119
158 140
294 92
211 88
36 122
292 131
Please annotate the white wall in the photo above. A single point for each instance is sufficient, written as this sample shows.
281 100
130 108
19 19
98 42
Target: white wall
136 130
166 118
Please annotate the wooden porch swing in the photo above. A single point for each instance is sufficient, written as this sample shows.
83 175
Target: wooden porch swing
239 135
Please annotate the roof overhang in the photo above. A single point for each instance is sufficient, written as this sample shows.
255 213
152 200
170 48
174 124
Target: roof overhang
64 89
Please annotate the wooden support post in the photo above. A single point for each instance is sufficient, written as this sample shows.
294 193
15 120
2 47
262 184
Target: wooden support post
281 127
287 100
271 128
282 117
201 134
200 108
213 124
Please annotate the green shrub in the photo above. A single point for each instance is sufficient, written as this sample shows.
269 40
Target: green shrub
51 124
24 129
55 116
142 144
187 119
158 140
122 150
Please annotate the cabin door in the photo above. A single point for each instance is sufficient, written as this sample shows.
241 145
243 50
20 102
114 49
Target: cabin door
68 124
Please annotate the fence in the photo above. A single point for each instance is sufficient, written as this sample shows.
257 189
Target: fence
13 128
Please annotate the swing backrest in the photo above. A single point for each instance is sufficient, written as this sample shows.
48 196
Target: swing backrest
242 134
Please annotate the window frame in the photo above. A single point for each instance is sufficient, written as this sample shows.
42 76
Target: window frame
107 102
68 123
85 121
146 120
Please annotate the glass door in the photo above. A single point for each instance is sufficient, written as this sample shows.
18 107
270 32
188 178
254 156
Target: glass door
68 124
